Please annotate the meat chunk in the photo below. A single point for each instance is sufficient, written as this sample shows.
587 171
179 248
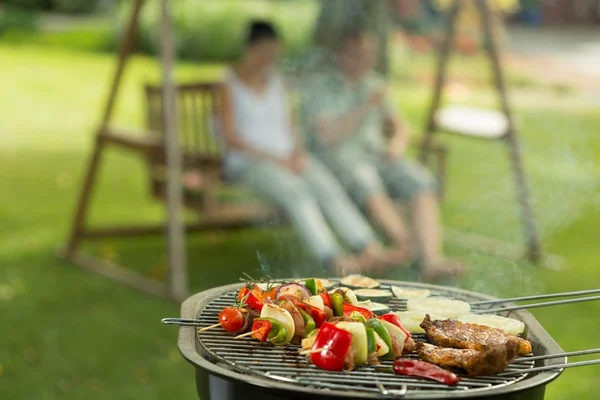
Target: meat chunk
460 335
372 359
490 360
396 349
299 326
349 361
409 346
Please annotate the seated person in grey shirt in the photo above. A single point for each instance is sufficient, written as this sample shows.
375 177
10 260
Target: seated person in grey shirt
347 112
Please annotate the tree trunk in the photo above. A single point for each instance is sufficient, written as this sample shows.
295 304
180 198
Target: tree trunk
337 15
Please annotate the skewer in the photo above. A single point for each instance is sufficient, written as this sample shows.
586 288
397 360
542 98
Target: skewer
186 322
558 355
311 351
550 367
535 305
537 297
245 334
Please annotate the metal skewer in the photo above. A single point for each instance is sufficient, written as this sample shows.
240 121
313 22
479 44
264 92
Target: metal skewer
535 305
537 297
551 367
183 322
558 355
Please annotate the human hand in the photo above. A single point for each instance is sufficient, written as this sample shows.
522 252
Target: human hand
396 148
296 163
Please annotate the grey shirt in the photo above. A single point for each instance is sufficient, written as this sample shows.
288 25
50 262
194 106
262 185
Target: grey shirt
330 95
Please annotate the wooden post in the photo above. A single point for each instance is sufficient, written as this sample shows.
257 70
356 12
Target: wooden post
178 279
512 142
90 176
440 80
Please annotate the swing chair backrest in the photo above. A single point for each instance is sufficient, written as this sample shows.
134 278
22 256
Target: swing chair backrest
196 108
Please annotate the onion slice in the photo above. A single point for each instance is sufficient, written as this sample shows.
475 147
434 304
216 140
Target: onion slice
293 289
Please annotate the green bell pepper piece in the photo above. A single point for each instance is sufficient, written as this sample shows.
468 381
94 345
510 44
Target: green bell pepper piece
337 303
382 332
371 342
278 333
311 285
358 317
309 323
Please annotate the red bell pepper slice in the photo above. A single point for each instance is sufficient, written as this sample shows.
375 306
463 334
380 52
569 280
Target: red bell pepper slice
326 299
395 320
248 298
317 315
349 309
426 370
335 343
261 329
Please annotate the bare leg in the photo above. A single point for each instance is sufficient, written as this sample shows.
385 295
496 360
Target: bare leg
382 210
428 233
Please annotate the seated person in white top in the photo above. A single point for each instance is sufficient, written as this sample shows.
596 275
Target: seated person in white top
265 154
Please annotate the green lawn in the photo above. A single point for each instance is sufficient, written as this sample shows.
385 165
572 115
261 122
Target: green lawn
67 334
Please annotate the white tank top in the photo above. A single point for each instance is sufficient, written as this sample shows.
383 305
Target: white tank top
262 120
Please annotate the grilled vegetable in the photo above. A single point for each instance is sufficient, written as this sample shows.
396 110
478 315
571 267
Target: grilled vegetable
359 340
281 315
322 284
335 344
232 319
373 294
269 329
405 293
425 370
359 281
309 340
443 307
293 289
371 341
382 347
299 327
337 302
377 308
383 334
326 299
347 294
508 325
396 333
316 301
309 323
317 315
393 319
251 298
411 320
348 310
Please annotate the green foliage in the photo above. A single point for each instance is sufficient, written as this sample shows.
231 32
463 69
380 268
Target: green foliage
14 19
214 30
75 6
35 5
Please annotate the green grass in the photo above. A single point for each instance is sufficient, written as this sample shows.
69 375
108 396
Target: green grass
68 334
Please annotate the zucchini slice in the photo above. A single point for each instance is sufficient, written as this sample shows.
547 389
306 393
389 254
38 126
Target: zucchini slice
443 307
373 294
377 308
359 281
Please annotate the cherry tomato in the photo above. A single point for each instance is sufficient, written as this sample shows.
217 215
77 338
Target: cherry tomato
231 319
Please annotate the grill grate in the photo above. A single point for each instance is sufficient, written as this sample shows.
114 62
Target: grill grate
285 364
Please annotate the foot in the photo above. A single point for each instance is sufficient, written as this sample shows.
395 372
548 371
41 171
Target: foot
445 269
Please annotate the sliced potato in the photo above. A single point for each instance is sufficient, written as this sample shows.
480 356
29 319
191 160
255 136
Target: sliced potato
359 281
412 319
406 293
443 307
508 325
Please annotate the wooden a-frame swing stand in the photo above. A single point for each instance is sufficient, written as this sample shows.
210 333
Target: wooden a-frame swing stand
165 148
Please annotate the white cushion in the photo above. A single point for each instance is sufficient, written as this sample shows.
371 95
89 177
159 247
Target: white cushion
468 121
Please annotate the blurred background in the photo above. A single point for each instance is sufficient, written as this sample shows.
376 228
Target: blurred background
66 334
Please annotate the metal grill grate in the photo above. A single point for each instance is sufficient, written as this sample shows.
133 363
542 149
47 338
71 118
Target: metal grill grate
284 364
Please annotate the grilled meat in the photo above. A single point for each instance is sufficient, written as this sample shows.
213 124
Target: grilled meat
372 359
491 360
349 361
449 333
396 349
409 346
299 325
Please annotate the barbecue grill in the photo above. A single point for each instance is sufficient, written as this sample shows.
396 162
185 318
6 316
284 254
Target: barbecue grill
228 368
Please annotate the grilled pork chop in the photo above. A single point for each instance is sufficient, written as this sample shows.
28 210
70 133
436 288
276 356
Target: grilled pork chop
448 333
489 361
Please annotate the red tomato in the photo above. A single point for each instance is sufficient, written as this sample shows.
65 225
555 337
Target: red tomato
231 319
